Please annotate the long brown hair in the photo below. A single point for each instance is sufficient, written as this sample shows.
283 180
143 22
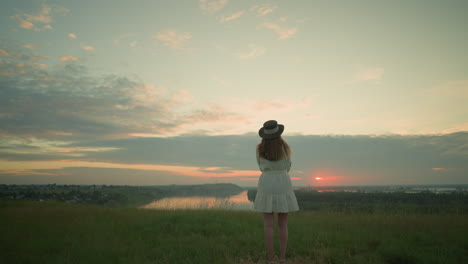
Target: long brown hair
273 149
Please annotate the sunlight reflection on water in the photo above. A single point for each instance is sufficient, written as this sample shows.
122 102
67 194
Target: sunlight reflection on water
235 202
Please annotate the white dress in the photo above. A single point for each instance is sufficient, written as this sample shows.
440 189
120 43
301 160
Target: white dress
274 190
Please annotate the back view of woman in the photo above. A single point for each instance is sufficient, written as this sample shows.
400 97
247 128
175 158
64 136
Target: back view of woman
274 191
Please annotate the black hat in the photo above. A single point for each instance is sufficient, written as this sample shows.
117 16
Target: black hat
271 129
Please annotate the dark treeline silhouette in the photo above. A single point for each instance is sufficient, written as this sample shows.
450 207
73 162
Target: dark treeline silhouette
113 195
378 202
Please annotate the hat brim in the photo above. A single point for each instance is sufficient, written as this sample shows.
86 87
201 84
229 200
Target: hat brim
262 134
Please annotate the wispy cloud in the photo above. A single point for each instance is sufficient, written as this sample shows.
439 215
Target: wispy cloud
283 33
88 48
30 167
24 23
262 10
234 16
41 20
31 46
254 51
173 39
33 146
67 58
72 35
4 53
212 6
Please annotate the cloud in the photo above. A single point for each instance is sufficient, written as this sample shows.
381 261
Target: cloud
87 48
68 101
263 10
31 46
212 6
253 52
44 148
72 35
133 44
234 16
173 39
24 24
457 128
15 62
31 167
67 58
283 33
41 20
4 53
337 160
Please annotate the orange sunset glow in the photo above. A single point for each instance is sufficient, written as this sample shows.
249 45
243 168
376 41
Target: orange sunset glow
325 177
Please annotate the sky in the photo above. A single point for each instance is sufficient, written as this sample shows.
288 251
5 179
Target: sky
174 92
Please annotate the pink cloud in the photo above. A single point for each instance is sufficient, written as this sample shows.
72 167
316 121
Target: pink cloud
88 48
283 33
67 58
212 6
173 39
234 16
262 10
44 16
24 23
31 46
4 53
253 52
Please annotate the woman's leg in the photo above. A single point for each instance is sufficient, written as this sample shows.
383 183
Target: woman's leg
268 227
283 233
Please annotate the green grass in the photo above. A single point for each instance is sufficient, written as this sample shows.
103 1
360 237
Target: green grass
52 232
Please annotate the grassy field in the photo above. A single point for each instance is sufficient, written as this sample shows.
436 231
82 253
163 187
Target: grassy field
53 232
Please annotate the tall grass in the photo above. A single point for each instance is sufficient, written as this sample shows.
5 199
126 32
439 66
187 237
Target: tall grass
52 232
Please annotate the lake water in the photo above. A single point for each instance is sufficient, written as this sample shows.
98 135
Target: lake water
235 202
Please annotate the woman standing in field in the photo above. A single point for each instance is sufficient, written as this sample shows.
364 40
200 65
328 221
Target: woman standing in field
274 192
